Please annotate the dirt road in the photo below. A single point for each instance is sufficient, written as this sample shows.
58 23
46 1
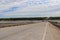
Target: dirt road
37 31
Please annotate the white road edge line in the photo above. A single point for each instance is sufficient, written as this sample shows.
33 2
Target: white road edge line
44 35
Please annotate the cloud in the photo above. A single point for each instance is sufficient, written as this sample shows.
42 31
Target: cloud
33 14
21 8
11 9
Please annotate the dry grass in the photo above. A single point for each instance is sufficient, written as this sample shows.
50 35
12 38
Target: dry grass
56 23
15 23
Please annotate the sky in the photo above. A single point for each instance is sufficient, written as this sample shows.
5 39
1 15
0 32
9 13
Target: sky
29 8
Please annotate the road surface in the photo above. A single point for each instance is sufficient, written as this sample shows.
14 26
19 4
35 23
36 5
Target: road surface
37 31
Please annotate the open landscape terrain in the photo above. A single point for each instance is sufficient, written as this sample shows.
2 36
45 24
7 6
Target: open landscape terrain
16 23
55 22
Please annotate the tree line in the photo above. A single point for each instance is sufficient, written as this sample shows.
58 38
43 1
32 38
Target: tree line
32 18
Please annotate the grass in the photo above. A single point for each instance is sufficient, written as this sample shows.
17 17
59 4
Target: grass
4 24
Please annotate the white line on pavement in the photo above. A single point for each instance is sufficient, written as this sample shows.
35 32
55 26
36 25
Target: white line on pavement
45 31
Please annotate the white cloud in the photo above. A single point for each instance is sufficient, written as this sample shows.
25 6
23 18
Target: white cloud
29 7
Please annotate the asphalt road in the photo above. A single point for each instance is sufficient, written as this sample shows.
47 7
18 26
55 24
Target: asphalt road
37 31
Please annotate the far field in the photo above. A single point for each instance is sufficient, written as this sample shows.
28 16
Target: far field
25 22
55 22
16 23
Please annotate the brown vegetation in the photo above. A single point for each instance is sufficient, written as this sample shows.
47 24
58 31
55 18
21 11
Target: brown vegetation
15 23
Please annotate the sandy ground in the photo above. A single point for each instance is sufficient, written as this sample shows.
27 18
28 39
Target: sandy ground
53 33
37 31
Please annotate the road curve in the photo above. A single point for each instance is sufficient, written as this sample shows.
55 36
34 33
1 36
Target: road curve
37 31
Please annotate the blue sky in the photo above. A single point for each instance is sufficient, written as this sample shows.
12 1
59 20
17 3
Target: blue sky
29 8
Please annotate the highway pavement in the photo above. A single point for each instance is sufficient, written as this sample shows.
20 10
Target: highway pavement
36 31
